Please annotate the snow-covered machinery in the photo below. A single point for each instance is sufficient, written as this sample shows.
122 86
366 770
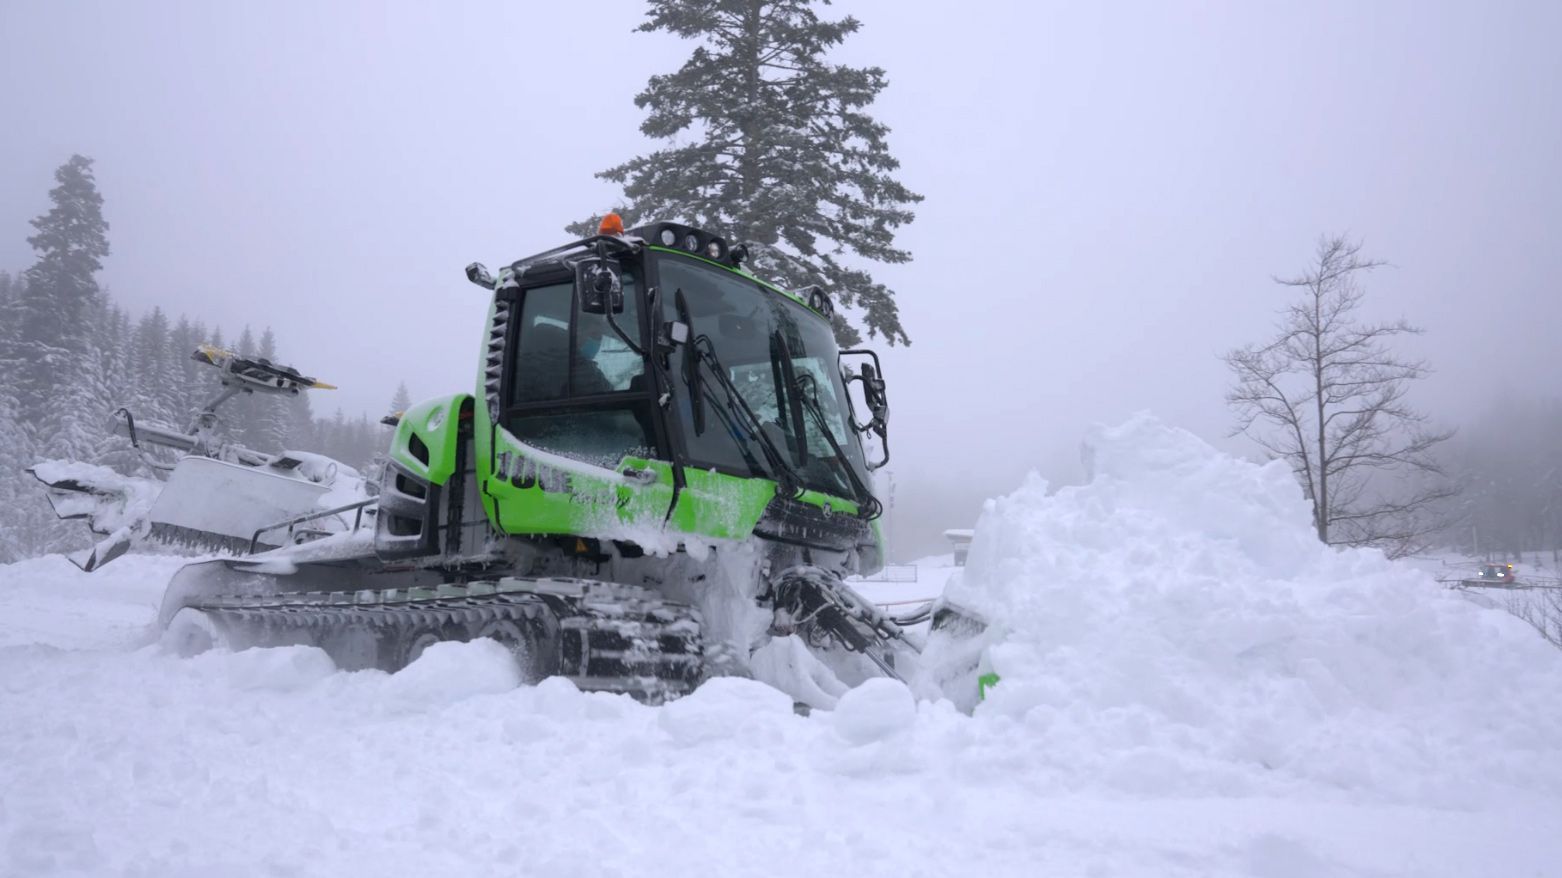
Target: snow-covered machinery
664 474
1490 574
215 495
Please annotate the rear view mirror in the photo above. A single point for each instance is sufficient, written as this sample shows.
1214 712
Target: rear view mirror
600 286
874 397
478 274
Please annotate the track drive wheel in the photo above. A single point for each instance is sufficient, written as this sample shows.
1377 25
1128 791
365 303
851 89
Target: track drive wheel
354 648
191 632
531 639
408 644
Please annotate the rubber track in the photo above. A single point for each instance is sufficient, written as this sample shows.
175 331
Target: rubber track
613 638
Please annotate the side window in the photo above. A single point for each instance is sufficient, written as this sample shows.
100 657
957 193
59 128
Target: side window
542 345
555 374
603 363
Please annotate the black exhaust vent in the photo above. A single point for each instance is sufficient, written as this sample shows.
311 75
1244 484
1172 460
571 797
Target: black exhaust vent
418 449
411 488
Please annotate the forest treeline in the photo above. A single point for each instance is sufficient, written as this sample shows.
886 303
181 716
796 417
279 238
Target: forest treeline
71 356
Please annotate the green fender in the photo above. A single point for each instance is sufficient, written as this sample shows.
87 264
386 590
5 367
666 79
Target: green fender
428 436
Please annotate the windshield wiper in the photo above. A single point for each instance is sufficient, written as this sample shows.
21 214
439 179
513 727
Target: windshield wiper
788 406
786 477
806 388
701 350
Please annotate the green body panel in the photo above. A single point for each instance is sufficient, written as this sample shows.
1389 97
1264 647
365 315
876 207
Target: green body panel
985 683
436 423
715 504
531 491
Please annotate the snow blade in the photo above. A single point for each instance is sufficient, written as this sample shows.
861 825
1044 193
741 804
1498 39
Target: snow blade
808 597
223 504
104 550
954 656
956 621
206 505
106 500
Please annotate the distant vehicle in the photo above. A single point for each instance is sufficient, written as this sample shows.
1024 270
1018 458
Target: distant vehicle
1493 575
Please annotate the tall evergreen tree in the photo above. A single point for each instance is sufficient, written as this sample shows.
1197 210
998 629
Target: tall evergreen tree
10 321
62 389
183 339
301 433
239 413
772 145
23 510
155 370
114 382
402 400
61 291
269 428
15 443
8 291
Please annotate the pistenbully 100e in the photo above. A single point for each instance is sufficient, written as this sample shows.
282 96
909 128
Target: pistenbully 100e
662 474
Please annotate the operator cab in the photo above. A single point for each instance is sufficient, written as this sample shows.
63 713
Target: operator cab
655 344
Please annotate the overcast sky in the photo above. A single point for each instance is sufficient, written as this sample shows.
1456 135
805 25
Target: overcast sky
1109 189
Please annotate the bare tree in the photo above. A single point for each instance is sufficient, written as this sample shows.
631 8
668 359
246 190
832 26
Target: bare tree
1542 609
1327 396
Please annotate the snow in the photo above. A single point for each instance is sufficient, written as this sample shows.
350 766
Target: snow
122 500
1178 607
1190 686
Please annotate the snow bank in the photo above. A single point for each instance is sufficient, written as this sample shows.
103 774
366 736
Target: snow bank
1174 626
1191 687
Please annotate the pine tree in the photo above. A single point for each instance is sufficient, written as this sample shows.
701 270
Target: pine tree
300 430
239 413
772 145
402 400
191 386
269 429
154 369
8 291
10 321
115 384
61 291
15 455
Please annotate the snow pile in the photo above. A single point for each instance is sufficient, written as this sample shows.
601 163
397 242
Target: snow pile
1191 687
1174 625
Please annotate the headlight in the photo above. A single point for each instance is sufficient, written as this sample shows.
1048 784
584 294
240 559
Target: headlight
691 243
669 237
713 250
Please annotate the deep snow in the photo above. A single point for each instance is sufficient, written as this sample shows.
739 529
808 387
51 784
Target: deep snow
1191 686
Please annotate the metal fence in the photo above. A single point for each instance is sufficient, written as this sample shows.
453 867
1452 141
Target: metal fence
894 573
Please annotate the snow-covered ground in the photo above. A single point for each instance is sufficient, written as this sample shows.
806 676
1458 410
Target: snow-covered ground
1190 686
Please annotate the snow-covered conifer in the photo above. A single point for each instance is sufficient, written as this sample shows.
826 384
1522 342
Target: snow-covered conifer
772 145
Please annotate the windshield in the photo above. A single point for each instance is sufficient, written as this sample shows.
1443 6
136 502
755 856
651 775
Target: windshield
753 330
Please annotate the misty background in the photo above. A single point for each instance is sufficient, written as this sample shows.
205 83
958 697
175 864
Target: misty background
1108 193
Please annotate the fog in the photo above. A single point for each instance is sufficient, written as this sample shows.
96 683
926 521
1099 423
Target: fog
1109 190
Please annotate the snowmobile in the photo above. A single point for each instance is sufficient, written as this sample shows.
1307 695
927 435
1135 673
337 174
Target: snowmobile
663 474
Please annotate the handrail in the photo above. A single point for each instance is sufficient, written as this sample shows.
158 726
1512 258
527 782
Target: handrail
291 522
